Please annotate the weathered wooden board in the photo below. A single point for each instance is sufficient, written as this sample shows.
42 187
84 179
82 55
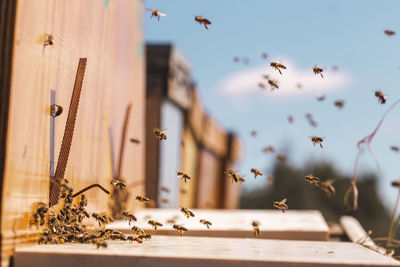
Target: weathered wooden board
200 251
292 225
110 35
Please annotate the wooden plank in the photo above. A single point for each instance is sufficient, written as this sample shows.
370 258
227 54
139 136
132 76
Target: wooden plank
293 224
200 251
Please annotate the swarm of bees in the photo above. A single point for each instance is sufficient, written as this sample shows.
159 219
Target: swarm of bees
256 228
206 223
277 66
280 205
317 140
156 13
381 97
202 20
318 70
256 172
187 212
160 134
180 229
183 176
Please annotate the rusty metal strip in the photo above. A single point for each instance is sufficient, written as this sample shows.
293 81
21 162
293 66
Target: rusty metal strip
68 133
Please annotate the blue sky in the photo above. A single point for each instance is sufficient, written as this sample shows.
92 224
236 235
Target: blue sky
348 34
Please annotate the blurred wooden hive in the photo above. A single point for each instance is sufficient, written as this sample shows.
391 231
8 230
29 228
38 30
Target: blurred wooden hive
35 76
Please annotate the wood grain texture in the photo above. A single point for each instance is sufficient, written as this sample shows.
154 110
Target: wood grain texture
111 38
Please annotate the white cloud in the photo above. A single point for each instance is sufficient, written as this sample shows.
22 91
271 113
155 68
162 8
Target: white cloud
246 81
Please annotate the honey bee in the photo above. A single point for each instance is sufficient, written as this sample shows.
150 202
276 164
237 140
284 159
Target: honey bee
256 172
187 212
100 244
320 97
281 157
183 191
269 149
317 140
145 236
206 223
266 76
137 230
318 70
179 228
389 32
156 13
117 183
273 84
240 179
172 220
132 238
56 110
134 140
311 120
261 85
381 97
291 119
280 205
164 200
299 85
165 189
234 177
236 59
278 66
46 39
256 228
264 55
160 134
253 133
202 20
339 103
395 148
312 180
129 216
328 188
155 224
142 199
183 176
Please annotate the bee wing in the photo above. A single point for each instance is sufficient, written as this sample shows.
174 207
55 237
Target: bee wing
149 9
162 14
283 201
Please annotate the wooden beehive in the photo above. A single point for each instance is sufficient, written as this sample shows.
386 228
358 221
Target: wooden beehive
110 35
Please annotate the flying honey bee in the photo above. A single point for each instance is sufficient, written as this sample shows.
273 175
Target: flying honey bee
278 66
179 228
137 230
256 172
261 85
129 216
264 55
155 224
395 148
165 189
274 85
202 20
299 85
187 212
117 183
240 179
142 199
266 76
281 157
56 110
280 205
291 119
183 176
339 103
311 120
234 177
312 180
253 133
318 70
389 32
269 149
256 228
328 188
46 39
236 59
134 140
156 13
317 140
381 97
206 223
320 97
160 134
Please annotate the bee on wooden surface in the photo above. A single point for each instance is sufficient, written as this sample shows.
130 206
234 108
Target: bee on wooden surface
129 216
281 205
183 176
256 172
389 32
202 20
253 133
311 120
312 180
291 119
339 103
273 84
100 244
142 199
328 188
132 238
318 70
317 140
155 224
46 39
156 13
137 230
261 85
277 66
395 148
281 157
180 228
381 97
160 134
40 211
165 189
268 149
206 223
117 183
56 110
256 228
144 236
134 140
82 201
264 56
187 212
